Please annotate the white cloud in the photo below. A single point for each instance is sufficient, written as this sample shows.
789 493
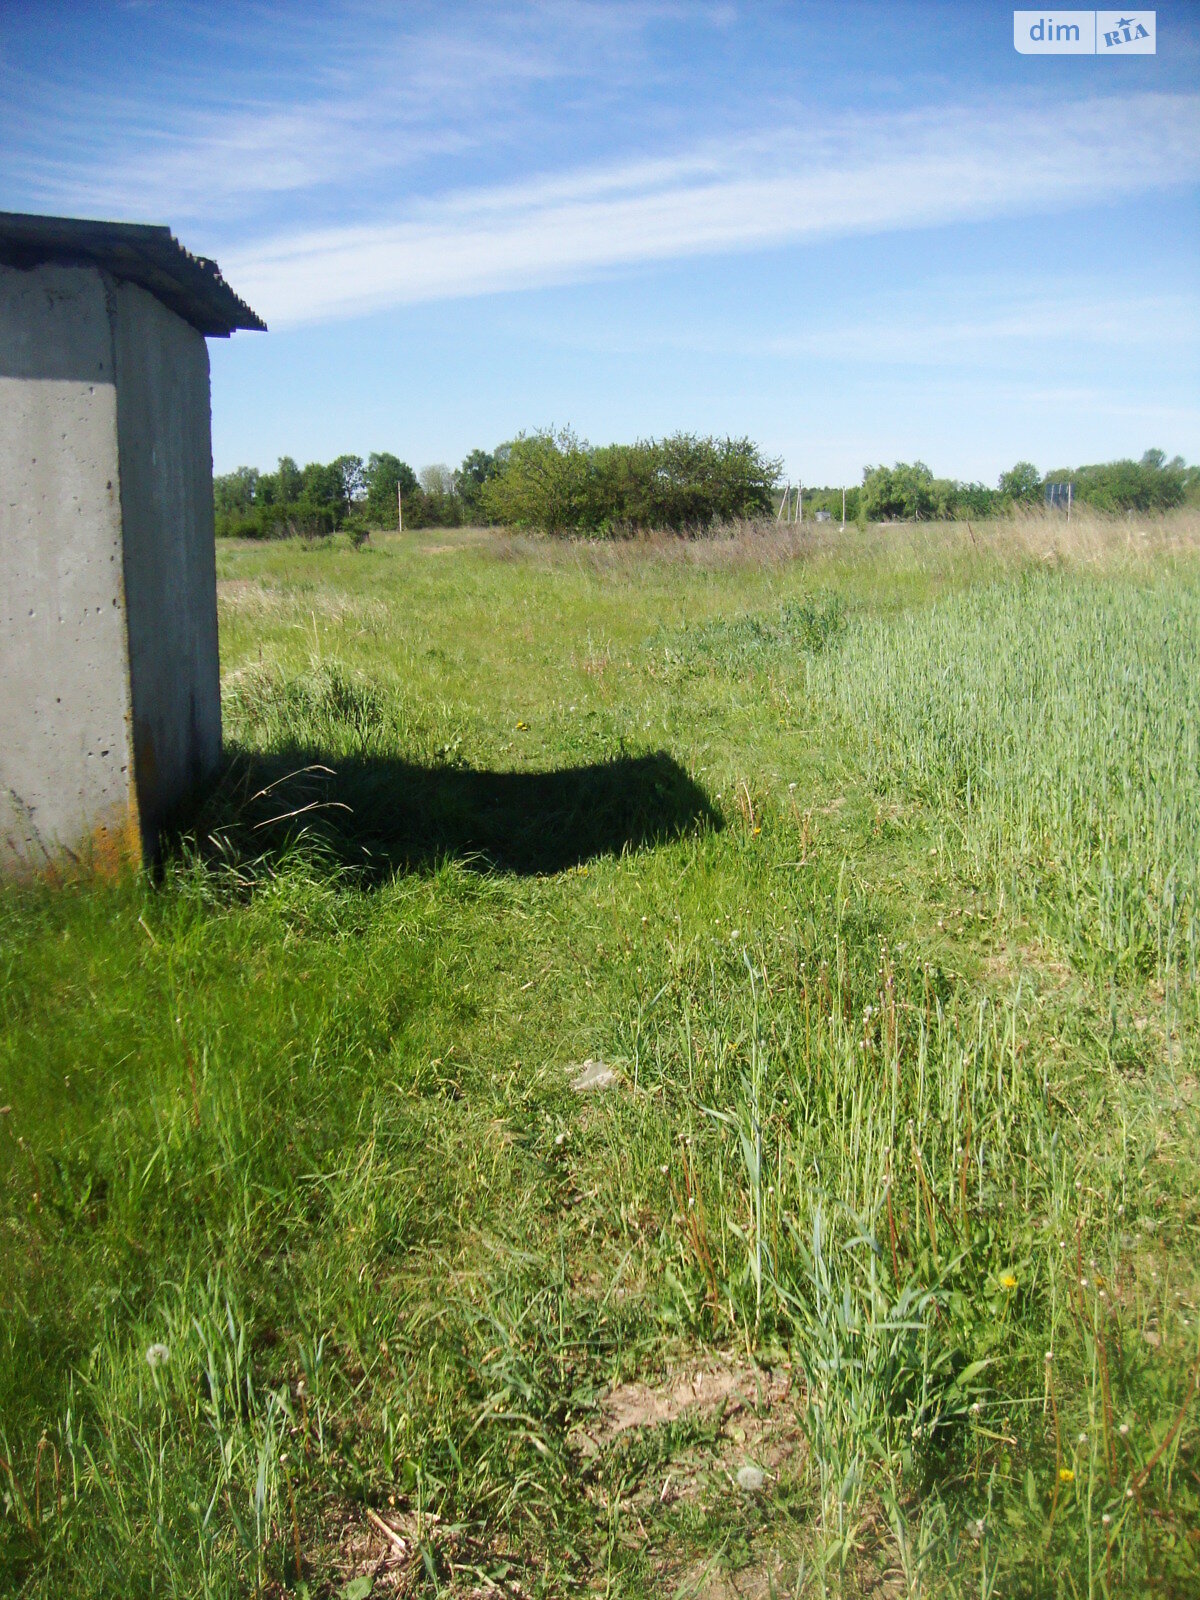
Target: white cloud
864 175
335 102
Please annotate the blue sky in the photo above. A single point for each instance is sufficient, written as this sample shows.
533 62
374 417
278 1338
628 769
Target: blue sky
856 232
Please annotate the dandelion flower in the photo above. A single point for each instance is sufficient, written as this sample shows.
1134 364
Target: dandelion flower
1065 1475
1008 1281
158 1355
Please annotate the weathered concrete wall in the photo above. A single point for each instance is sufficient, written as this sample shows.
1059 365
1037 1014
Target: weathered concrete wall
164 433
66 778
109 696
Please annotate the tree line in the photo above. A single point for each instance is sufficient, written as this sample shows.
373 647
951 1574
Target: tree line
909 492
345 494
553 482
550 481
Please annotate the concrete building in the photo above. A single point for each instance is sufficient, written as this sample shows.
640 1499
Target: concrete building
110 707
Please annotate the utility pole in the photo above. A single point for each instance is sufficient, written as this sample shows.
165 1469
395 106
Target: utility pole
843 508
799 502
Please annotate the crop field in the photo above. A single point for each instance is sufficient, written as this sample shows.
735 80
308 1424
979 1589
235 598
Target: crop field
660 1068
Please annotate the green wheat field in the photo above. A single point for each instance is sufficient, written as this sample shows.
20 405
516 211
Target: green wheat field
663 1068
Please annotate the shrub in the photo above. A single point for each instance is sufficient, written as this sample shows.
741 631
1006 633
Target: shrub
555 482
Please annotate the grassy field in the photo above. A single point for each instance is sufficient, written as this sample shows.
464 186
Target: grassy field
661 1069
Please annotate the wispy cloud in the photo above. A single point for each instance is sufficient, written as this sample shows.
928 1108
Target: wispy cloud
848 176
328 102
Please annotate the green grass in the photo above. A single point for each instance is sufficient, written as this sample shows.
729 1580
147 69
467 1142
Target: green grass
871 867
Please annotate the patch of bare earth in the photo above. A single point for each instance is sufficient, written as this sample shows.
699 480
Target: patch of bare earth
735 1390
753 1441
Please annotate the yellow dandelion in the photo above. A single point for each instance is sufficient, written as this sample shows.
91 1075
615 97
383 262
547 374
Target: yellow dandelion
1008 1281
1065 1475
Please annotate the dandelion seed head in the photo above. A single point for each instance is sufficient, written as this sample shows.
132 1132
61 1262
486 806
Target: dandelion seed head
158 1355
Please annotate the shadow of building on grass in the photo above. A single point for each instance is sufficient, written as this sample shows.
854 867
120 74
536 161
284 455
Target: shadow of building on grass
379 815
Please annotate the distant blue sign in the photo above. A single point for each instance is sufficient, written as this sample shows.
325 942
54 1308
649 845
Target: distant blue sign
1058 494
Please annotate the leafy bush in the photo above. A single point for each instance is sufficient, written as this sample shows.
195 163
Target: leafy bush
557 483
1151 484
907 492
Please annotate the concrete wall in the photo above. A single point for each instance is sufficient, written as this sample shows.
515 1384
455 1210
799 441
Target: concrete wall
164 435
109 701
66 772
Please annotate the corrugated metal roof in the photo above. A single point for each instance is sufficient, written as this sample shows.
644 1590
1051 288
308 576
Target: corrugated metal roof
138 252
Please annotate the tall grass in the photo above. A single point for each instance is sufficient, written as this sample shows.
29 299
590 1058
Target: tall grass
1059 726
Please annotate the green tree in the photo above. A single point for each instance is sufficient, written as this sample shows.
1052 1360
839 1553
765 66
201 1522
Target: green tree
235 491
477 468
1022 483
1151 484
353 476
235 509
384 475
289 481
904 492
